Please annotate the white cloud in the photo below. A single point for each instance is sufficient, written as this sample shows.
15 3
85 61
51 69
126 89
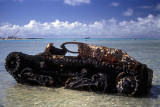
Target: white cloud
143 27
154 7
115 4
145 7
112 20
158 6
128 12
76 2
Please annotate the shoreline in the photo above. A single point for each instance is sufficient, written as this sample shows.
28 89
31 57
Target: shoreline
82 38
19 38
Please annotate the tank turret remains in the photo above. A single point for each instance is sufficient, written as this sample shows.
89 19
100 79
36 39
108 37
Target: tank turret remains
95 68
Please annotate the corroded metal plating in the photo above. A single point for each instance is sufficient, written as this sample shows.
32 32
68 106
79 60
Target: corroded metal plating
118 58
96 68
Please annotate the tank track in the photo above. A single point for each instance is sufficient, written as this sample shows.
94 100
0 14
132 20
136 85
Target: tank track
73 73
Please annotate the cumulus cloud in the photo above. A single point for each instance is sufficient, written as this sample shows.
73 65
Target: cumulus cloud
76 2
142 27
146 27
128 12
115 4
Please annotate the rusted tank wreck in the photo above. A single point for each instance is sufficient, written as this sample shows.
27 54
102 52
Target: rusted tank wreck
95 68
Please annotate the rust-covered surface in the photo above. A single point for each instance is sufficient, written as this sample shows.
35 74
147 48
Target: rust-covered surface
105 54
113 56
96 68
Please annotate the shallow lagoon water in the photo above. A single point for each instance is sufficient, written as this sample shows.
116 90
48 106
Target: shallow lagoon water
13 94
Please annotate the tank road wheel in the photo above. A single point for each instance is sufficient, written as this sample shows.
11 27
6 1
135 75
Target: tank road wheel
25 74
87 81
101 82
28 77
12 63
127 84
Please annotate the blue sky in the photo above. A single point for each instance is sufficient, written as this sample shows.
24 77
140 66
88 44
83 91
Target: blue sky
80 18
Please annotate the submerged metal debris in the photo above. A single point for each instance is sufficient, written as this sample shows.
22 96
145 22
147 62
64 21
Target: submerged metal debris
96 68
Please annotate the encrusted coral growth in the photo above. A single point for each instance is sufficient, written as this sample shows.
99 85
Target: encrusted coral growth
96 68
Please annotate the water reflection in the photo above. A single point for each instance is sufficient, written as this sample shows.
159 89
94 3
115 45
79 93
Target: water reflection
155 92
23 95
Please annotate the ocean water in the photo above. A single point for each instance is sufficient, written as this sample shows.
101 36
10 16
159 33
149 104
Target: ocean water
13 94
